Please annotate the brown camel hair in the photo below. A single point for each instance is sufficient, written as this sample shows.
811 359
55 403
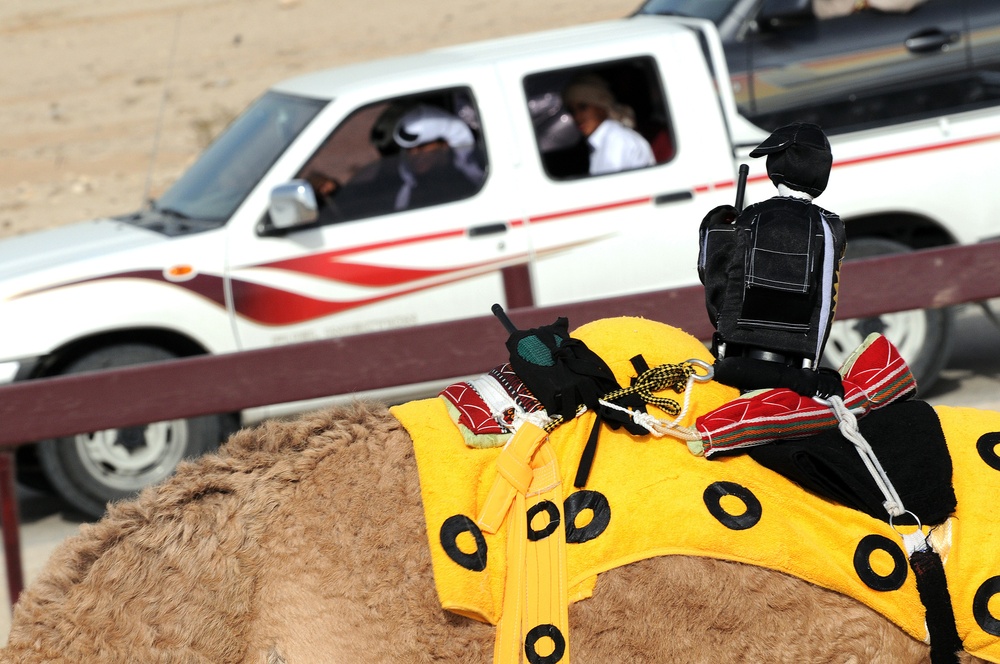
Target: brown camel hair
304 542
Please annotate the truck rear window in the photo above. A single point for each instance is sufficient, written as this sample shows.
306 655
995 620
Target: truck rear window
601 118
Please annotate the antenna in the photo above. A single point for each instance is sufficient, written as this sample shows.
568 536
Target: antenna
159 119
741 186
504 319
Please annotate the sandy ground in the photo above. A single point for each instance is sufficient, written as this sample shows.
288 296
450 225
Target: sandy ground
103 103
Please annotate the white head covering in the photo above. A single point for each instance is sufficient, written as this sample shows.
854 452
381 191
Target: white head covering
426 124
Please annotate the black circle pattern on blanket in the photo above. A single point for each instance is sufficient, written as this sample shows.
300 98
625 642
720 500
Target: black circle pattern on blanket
713 501
987 448
868 545
539 632
981 606
454 526
552 511
580 501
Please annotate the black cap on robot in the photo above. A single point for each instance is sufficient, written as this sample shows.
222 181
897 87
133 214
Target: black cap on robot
798 156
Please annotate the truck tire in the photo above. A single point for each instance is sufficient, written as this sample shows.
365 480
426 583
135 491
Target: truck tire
923 336
89 470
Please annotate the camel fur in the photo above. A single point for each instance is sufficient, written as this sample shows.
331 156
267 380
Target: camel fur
304 542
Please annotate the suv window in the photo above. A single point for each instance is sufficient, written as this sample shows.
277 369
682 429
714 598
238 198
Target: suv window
713 10
400 154
600 118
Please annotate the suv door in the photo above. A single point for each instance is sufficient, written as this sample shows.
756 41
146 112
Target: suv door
868 67
984 38
366 265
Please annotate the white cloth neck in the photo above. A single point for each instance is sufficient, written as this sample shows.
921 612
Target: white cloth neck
785 190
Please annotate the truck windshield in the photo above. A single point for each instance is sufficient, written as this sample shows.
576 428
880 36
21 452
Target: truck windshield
713 10
225 173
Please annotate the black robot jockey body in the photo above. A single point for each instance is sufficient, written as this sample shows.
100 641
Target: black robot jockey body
771 272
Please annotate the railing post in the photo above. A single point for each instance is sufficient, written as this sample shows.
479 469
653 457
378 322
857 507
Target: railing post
10 524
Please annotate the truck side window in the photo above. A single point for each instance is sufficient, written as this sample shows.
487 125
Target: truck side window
600 118
399 154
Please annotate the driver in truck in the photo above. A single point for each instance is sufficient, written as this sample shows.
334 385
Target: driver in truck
433 160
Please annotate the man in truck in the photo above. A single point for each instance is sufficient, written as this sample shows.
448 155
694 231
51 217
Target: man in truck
607 126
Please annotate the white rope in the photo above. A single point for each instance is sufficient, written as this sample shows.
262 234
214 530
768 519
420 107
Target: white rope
658 427
848 425
645 420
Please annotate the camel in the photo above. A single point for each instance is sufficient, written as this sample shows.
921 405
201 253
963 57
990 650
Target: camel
305 541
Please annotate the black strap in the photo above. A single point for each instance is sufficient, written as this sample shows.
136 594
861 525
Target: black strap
589 450
932 586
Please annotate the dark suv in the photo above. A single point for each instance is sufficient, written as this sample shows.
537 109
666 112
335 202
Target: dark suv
868 68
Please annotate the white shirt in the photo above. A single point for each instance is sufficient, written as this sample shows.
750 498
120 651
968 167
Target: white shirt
615 147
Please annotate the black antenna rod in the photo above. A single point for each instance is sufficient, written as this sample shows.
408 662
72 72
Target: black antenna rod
502 315
741 186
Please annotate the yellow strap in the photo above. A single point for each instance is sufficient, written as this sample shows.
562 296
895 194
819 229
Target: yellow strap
513 461
545 622
508 644
535 612
516 471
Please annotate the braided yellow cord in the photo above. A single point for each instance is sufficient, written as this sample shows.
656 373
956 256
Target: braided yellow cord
673 376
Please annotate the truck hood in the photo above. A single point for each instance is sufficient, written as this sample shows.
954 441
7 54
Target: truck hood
23 255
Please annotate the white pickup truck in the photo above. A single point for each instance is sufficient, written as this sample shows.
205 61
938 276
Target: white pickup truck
241 253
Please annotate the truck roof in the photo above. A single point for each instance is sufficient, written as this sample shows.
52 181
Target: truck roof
327 83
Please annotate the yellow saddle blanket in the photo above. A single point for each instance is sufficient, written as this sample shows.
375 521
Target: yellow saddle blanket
650 497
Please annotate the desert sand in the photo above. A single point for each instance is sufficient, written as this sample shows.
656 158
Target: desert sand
104 103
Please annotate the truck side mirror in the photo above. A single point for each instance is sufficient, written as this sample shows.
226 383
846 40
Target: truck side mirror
293 204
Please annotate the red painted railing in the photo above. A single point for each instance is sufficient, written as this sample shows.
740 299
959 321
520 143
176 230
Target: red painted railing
189 387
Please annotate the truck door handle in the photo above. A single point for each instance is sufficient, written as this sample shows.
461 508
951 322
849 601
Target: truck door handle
488 229
930 40
672 197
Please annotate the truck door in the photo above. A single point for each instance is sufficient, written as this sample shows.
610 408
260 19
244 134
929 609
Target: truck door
407 234
599 232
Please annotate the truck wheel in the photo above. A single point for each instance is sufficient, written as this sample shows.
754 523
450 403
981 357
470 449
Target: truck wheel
923 336
89 470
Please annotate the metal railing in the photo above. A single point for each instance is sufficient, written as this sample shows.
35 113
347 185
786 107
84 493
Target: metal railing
204 385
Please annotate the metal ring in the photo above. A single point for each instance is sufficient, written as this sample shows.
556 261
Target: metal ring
920 526
709 370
